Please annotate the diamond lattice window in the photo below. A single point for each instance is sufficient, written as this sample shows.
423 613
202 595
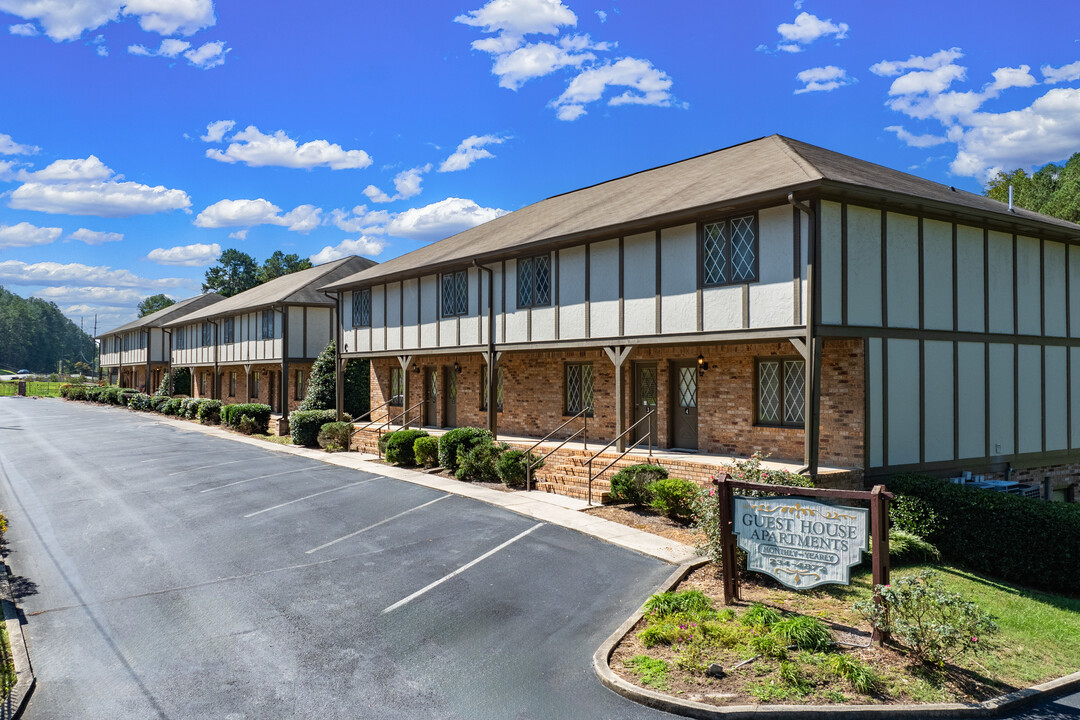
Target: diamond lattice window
781 392
688 387
648 386
484 389
361 308
534 281
455 293
729 251
579 388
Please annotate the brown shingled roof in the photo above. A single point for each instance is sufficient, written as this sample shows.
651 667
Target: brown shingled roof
773 164
161 317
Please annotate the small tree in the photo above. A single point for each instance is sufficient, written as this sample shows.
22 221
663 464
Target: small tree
358 387
181 382
152 304
322 383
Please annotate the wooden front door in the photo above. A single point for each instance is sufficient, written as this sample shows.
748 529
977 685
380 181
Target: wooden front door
684 405
273 392
645 400
431 397
450 395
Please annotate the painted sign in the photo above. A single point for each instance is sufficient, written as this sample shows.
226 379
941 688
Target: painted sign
802 543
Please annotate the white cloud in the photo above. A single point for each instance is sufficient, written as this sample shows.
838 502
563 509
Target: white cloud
469 151
441 219
361 246
215 131
360 220
919 141
807 28
69 19
74 170
406 182
107 296
647 86
252 147
93 237
239 234
24 29
208 55
520 17
197 255
247 213
169 48
10 147
15 272
102 199
26 235
823 79
540 59
1047 130
1065 73
602 15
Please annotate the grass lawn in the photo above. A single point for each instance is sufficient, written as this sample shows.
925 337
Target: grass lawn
1038 640
279 439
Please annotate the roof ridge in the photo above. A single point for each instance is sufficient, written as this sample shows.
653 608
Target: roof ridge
803 163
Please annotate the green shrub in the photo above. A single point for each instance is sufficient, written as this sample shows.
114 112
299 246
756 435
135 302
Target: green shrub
258 416
652 672
209 412
141 402
426 451
631 484
248 426
859 675
511 467
181 382
191 407
125 397
156 401
760 616
172 406
335 436
459 438
913 515
934 624
804 632
399 446
674 497
907 548
76 392
304 425
479 463
673 603
1006 536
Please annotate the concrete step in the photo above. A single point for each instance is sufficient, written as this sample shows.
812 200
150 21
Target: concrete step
580 493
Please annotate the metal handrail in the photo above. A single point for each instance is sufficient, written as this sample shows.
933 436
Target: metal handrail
370 422
584 432
390 420
624 453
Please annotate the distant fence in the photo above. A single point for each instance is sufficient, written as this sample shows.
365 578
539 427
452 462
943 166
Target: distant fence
33 388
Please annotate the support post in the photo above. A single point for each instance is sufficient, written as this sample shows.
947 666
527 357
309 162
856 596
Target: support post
284 361
491 359
405 361
879 532
729 565
618 354
339 364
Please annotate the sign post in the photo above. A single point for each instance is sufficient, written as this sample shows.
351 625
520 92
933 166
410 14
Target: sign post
801 543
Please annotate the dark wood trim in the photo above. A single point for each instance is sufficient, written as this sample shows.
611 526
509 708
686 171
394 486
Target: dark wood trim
955 285
745 307
921 323
843 263
622 287
588 290
1016 398
385 303
659 286
867 409
503 312
780 360
796 256
945 468
401 314
884 267
885 401
922 400
856 331
986 279
555 280
1042 287
1015 291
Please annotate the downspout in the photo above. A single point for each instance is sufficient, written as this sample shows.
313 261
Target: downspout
339 375
810 414
215 389
493 378
168 364
284 389
146 332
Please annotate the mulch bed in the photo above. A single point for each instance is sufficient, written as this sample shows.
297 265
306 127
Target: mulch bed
647 519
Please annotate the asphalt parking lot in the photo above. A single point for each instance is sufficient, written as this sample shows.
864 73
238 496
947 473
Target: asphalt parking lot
164 573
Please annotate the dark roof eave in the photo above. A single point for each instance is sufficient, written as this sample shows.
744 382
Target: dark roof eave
672 219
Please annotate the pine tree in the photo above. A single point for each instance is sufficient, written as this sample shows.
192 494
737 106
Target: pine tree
358 387
322 383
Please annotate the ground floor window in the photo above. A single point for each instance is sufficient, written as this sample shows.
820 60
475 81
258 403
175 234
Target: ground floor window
202 384
232 384
300 393
484 388
255 384
579 388
397 387
780 391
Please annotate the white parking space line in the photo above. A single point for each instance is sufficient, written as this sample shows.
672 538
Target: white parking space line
308 497
207 467
460 570
263 477
372 527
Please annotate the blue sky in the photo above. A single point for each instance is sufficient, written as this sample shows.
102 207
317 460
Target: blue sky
138 139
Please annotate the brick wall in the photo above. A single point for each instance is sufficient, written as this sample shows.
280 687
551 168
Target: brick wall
534 396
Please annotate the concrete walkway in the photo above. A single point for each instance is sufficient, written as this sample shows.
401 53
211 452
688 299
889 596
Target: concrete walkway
555 509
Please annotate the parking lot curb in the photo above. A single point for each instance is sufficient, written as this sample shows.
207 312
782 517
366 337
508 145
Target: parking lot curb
689 708
12 706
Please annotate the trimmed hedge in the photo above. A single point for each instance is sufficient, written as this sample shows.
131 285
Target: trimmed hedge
141 402
426 451
304 425
399 446
1016 539
258 417
480 463
631 483
335 436
172 406
458 442
511 467
209 412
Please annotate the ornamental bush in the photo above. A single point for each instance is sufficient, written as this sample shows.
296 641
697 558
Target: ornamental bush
674 497
459 439
209 412
126 396
156 401
141 402
1013 538
934 624
76 392
258 416
321 388
426 451
478 464
304 425
511 467
191 407
181 382
172 406
631 483
399 446
335 436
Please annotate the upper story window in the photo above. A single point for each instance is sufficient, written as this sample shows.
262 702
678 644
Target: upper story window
455 293
534 281
127 342
228 330
780 391
267 325
729 251
116 344
361 308
207 334
181 338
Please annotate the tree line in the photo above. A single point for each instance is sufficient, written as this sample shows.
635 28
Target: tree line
35 335
1052 190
